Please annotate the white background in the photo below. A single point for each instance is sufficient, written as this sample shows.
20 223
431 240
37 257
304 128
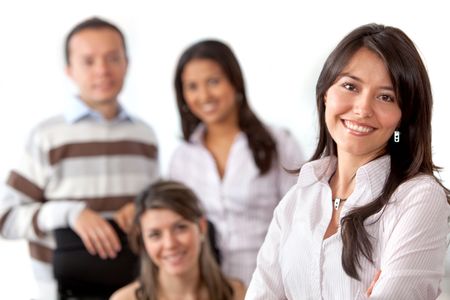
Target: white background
281 46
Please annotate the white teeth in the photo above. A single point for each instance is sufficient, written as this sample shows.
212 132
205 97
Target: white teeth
209 107
358 128
174 256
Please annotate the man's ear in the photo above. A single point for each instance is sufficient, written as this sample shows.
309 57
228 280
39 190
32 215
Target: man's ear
127 63
68 71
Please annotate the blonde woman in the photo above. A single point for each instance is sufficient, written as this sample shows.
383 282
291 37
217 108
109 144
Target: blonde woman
176 261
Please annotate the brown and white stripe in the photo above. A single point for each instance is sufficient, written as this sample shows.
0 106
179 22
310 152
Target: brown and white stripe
101 164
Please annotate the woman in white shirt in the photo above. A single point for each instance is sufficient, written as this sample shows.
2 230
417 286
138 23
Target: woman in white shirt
367 208
230 159
170 234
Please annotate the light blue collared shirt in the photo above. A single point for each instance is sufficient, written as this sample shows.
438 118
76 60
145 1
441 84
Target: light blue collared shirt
77 110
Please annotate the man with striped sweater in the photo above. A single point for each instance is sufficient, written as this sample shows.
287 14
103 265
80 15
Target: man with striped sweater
84 166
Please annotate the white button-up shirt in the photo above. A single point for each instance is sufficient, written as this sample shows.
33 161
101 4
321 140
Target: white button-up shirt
409 239
240 204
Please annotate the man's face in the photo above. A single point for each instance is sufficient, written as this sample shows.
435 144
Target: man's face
97 65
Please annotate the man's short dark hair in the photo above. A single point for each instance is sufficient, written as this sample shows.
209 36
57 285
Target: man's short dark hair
92 23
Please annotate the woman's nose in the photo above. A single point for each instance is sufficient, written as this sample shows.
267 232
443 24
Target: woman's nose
170 240
363 105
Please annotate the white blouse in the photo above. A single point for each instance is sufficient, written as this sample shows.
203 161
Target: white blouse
409 239
241 204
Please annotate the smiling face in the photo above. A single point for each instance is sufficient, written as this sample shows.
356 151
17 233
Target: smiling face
208 93
362 111
97 65
172 242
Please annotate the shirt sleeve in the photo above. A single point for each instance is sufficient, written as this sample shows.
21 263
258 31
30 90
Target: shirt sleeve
412 262
24 210
267 282
156 170
176 165
291 158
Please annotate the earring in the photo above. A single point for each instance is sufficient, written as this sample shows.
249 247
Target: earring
397 136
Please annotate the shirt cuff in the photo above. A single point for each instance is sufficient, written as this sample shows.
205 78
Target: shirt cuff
58 214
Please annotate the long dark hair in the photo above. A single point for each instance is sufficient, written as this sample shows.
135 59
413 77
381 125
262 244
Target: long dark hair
409 157
260 141
180 199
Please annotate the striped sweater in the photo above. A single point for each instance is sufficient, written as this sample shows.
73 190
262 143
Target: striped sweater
70 165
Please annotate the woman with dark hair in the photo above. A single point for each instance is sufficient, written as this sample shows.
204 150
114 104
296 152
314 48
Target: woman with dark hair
230 159
367 217
169 233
